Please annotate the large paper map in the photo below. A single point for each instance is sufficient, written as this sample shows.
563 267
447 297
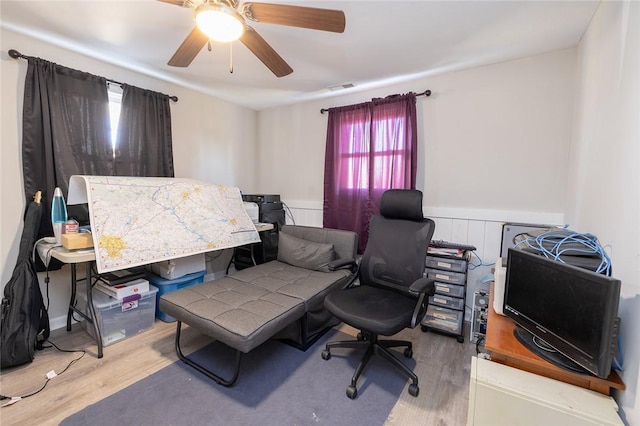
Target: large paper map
136 220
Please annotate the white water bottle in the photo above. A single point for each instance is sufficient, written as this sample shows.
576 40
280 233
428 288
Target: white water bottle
58 214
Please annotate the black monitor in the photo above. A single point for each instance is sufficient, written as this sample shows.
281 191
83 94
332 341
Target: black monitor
565 314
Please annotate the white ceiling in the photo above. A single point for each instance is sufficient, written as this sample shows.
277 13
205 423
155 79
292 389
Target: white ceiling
384 41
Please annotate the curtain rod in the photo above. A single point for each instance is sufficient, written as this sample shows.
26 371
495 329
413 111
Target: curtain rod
426 93
17 55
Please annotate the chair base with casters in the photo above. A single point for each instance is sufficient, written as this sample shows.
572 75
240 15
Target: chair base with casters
374 346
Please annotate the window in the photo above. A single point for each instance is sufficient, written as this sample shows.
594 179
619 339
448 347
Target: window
115 105
371 147
373 165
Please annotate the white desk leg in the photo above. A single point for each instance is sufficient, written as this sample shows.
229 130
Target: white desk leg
92 311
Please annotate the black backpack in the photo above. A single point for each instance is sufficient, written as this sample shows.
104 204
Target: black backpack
25 321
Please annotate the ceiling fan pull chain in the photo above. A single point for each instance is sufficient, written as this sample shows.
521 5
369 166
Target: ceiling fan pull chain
230 58
209 48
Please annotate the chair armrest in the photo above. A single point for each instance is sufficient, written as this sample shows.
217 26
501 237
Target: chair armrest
423 285
342 263
423 288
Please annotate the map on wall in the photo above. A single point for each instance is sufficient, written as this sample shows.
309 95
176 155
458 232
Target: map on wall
137 220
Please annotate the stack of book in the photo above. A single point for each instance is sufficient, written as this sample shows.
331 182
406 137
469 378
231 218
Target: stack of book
124 285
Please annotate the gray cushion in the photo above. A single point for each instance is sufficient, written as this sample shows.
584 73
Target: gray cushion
245 309
345 243
304 254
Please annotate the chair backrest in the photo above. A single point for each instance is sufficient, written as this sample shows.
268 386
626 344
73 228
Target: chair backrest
398 239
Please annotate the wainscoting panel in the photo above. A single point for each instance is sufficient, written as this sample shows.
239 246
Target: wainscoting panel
479 228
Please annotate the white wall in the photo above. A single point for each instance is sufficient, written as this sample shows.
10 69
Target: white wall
604 189
493 147
490 138
213 141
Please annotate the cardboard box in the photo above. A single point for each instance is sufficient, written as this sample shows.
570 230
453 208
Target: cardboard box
176 268
76 241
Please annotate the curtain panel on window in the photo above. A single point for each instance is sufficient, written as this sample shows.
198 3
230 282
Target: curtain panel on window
371 147
65 131
144 142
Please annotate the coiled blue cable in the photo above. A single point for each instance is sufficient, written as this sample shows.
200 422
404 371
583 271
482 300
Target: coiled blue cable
568 242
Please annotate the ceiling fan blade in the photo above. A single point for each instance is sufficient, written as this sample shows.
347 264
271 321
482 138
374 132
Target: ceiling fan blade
296 16
181 3
256 44
189 48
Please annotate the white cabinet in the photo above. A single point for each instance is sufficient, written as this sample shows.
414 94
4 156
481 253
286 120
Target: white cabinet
502 395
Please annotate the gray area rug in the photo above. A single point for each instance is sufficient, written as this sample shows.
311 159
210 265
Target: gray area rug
278 385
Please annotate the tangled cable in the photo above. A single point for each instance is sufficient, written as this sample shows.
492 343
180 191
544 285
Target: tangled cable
556 242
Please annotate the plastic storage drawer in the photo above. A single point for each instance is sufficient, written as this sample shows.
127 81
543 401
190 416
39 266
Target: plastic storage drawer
118 320
446 276
453 265
165 286
447 302
452 290
443 319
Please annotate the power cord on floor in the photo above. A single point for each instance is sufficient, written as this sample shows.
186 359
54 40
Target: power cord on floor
50 375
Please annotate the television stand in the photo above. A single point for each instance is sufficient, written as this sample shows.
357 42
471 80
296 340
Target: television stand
546 352
506 349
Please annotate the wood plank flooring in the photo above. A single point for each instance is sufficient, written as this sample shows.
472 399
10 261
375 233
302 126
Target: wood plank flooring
442 365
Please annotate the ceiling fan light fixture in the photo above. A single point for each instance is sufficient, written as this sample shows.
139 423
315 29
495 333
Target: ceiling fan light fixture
219 22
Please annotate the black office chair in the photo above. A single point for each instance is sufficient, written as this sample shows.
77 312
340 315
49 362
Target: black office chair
393 294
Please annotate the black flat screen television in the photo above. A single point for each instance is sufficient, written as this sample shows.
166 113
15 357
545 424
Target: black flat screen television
565 314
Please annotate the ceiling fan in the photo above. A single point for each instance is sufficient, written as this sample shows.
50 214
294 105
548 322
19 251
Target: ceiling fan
225 20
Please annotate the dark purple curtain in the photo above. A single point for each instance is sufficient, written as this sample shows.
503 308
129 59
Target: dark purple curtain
144 142
371 147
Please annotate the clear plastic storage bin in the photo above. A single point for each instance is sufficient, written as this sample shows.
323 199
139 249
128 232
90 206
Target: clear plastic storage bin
118 320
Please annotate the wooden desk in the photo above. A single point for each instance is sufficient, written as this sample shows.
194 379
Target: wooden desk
506 349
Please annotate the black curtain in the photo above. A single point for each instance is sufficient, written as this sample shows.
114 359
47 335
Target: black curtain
66 131
144 146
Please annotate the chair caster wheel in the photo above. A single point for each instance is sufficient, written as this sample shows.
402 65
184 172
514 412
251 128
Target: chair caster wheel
326 355
352 392
424 328
408 353
414 390
460 339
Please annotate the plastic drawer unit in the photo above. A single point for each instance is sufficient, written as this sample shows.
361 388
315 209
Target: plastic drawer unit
446 307
447 302
452 290
447 276
446 264
444 319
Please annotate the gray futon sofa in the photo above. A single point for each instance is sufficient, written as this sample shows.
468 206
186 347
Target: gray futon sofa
281 299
